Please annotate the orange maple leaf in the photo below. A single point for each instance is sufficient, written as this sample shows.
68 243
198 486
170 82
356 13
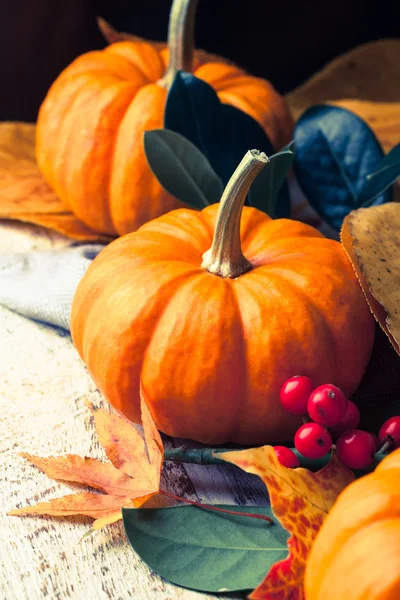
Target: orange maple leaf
300 500
24 194
131 480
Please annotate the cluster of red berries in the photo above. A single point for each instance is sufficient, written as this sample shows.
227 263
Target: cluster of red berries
331 415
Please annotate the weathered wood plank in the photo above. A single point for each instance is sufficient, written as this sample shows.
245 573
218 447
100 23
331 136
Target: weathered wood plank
43 390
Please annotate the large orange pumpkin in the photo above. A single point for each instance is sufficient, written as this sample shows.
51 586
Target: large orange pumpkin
212 338
89 144
356 554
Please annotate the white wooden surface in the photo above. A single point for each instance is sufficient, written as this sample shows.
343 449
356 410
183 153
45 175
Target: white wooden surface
43 389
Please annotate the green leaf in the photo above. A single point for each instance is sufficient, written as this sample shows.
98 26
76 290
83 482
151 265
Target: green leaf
182 170
386 173
264 190
223 133
206 550
335 151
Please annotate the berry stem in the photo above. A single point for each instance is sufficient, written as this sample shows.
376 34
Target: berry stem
387 445
212 456
215 508
197 456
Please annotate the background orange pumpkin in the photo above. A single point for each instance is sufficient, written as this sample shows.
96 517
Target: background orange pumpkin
212 338
356 554
90 127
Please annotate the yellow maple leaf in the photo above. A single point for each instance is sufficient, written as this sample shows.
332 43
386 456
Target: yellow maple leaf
131 479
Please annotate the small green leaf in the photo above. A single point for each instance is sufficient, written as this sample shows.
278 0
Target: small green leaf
386 173
265 188
222 132
206 550
182 170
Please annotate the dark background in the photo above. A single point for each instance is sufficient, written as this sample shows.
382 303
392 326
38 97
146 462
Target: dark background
283 41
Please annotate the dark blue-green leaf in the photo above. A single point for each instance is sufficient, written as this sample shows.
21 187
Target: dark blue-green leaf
382 178
224 134
264 192
239 133
181 168
206 550
193 110
335 151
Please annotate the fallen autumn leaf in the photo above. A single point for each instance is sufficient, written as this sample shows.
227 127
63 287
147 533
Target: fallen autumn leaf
364 80
132 479
370 237
300 500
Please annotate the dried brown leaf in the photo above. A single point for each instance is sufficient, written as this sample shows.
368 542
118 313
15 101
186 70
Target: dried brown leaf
371 238
85 503
134 484
98 524
126 448
364 80
86 470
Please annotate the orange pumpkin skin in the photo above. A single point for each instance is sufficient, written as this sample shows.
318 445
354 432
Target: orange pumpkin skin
89 144
356 554
211 352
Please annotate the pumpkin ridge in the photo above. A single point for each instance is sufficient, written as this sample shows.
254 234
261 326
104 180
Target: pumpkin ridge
49 167
365 501
249 288
229 72
243 406
321 315
162 412
180 279
97 73
238 80
61 160
107 159
110 161
165 289
209 227
251 229
63 142
170 227
103 63
119 48
360 540
136 196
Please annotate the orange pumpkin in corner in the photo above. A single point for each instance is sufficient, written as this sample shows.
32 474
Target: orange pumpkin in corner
89 144
356 554
212 311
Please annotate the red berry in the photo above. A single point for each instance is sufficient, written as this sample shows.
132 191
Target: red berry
286 457
312 440
356 449
327 405
351 420
294 394
390 431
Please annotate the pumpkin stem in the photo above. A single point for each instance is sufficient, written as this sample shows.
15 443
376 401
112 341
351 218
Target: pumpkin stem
225 257
180 39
